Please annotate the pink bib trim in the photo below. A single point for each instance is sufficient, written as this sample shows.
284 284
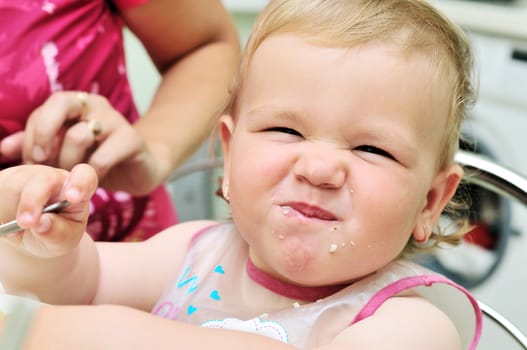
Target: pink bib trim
289 290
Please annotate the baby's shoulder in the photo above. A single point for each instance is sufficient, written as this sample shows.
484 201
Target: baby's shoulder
179 236
184 230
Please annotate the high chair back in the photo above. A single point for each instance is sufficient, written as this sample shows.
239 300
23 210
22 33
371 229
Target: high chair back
484 172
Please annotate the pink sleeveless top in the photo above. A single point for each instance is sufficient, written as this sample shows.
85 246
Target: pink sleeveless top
54 45
219 287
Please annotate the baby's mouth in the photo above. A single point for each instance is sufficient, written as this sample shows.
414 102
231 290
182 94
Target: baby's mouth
308 211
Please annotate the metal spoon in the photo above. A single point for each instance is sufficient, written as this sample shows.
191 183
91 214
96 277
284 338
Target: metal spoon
12 226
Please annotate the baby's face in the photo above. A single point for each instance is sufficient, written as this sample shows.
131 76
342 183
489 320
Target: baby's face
332 158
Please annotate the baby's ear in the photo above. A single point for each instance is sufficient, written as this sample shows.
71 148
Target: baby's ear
440 193
226 128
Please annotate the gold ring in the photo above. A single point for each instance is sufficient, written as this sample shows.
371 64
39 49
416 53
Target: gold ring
82 96
95 127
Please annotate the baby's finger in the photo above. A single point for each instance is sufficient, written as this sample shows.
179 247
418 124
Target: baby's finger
55 235
81 184
38 191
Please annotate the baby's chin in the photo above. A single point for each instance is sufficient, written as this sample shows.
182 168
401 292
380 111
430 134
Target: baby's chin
296 258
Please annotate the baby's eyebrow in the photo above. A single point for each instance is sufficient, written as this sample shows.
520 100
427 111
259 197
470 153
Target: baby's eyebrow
275 113
404 143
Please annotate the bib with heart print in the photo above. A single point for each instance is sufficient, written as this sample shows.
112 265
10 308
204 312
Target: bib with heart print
219 287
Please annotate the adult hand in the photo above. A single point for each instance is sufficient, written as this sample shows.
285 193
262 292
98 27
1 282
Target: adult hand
27 189
74 127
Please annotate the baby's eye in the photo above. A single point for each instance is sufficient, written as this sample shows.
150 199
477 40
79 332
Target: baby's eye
284 130
375 150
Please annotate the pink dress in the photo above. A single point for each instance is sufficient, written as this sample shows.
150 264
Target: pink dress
219 287
54 45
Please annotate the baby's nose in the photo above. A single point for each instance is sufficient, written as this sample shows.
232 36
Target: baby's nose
321 168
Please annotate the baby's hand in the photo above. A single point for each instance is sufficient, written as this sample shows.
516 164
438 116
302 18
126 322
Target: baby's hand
25 190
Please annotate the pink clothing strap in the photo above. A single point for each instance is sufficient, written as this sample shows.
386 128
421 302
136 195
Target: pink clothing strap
199 232
416 281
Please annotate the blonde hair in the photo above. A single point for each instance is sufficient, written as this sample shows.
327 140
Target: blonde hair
414 25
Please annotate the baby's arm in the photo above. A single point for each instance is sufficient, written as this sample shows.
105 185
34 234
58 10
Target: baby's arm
118 327
402 323
136 274
51 253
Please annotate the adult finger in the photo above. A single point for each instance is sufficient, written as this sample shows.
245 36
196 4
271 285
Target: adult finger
46 122
11 146
124 150
78 143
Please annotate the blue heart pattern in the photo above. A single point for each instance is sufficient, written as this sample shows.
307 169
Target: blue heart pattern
191 309
193 283
215 295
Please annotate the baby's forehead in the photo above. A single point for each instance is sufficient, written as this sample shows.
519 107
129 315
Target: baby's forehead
339 87
402 44
440 70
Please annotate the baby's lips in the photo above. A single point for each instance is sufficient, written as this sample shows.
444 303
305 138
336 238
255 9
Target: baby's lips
311 211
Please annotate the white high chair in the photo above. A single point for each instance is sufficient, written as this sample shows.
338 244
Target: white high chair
479 170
